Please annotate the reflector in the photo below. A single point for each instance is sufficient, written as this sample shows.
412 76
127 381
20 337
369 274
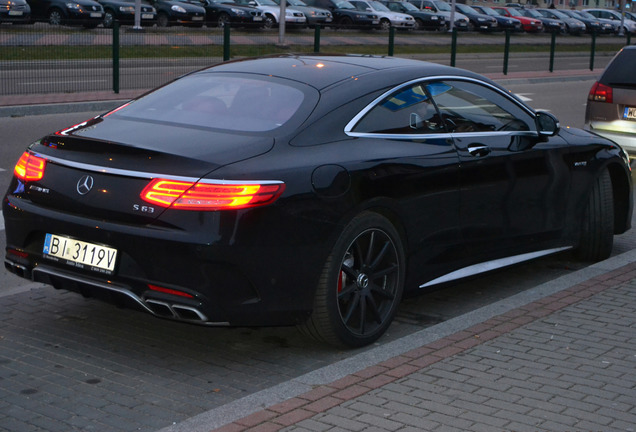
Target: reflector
169 291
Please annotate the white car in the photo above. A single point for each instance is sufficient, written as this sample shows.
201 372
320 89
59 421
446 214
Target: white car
628 25
271 13
387 17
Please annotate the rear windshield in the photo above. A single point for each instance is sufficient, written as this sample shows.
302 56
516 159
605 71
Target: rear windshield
621 71
236 103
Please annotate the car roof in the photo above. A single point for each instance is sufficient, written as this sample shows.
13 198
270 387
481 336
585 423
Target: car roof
322 71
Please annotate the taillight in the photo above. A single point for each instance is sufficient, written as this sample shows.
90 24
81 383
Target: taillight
30 167
185 195
600 93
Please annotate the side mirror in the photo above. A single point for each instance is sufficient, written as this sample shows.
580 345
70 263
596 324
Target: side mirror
547 124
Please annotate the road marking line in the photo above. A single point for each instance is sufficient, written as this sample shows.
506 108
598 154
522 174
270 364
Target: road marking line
1 222
523 97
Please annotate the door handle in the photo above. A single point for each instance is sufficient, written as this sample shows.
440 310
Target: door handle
479 150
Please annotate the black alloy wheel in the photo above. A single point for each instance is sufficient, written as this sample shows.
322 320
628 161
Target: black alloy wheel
361 285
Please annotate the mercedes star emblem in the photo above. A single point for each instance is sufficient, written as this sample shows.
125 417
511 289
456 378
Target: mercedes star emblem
84 185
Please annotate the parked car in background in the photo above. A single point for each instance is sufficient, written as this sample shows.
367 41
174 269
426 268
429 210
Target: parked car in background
176 12
476 19
307 190
443 8
15 12
504 22
528 24
345 15
124 12
629 26
573 26
86 13
314 15
387 17
424 19
549 24
271 13
219 13
611 103
592 24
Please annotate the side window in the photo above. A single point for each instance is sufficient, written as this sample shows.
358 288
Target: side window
408 111
469 107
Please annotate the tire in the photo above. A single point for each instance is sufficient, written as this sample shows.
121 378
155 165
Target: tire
361 284
55 17
163 20
345 23
419 24
385 24
597 227
109 18
269 21
223 20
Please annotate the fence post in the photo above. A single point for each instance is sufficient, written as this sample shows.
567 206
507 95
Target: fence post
391 40
552 49
506 52
592 50
226 41
453 46
116 56
317 39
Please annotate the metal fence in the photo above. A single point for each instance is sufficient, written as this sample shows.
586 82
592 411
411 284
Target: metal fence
39 58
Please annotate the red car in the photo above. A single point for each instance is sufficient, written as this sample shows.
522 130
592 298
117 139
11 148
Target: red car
527 24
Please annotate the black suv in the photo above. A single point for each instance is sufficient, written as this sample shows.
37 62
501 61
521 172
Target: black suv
87 13
174 12
124 12
346 15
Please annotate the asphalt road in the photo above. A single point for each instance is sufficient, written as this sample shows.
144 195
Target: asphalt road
68 362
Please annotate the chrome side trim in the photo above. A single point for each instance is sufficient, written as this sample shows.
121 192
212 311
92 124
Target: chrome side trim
145 175
356 119
491 265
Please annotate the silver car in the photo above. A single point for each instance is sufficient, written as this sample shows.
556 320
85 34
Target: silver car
611 103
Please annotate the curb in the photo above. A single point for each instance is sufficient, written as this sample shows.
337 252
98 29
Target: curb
305 396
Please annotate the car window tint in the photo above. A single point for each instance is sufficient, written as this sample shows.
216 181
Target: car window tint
408 111
621 69
240 104
470 107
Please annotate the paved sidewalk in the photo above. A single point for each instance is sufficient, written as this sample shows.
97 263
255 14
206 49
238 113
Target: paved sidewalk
562 362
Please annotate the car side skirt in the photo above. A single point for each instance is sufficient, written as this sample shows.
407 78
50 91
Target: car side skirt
491 265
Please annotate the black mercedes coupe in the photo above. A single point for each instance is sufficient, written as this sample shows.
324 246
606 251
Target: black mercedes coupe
308 190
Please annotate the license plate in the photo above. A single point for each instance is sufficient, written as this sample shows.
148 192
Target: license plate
328 20
146 16
16 13
258 18
96 14
80 253
629 113
197 18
